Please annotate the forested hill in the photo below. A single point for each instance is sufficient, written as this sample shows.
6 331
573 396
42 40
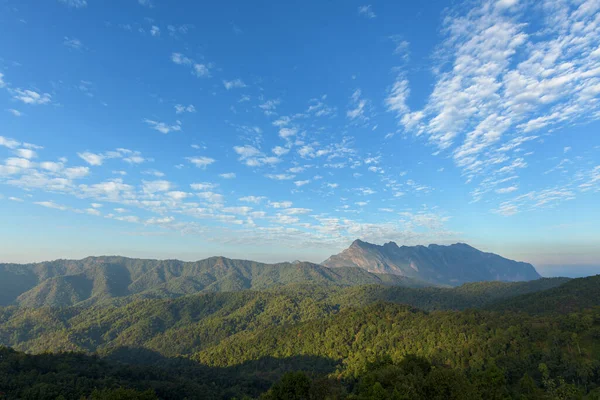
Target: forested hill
96 279
311 342
172 327
574 295
357 342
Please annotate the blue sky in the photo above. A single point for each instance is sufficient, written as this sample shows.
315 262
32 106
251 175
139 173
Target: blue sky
285 130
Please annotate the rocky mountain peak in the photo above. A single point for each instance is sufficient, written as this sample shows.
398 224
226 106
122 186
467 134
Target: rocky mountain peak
438 264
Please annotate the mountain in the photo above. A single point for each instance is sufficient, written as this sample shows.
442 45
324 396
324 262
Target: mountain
96 279
354 342
188 324
445 265
574 295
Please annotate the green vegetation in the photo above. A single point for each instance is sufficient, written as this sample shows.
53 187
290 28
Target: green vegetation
575 295
488 340
189 324
97 280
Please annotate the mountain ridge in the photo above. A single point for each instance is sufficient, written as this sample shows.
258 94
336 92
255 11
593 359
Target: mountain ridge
96 279
438 264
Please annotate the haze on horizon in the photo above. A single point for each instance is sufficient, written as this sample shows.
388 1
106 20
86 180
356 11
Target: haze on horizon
277 132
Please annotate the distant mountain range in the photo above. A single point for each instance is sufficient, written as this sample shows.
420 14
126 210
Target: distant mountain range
96 279
446 265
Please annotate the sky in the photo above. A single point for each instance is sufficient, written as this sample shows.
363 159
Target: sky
285 130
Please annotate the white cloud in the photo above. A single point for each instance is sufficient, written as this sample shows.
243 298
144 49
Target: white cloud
128 218
269 106
237 210
8 142
31 97
366 11
76 172
2 83
73 43
14 112
52 166
203 186
280 151
177 195
508 189
129 156
297 211
285 219
180 59
396 100
160 221
201 162
179 109
280 177
211 197
252 199
180 29
93 211
236 83
19 163
201 70
366 191
228 175
359 107
319 109
401 46
301 183
155 30
156 186
253 157
286 133
74 3
163 127
297 170
26 153
50 204
153 172
246 151
280 204
135 158
91 158
502 78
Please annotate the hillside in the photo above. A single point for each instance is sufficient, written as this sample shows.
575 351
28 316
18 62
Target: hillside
469 338
97 279
575 295
500 355
188 324
352 342
468 295
446 265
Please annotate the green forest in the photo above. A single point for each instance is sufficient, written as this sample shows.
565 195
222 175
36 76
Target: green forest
490 340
